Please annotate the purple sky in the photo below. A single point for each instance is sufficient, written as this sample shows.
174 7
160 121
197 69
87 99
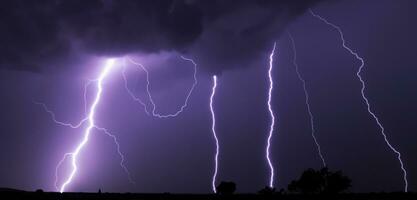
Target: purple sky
51 50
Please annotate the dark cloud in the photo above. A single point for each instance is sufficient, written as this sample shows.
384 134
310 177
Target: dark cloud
239 35
60 33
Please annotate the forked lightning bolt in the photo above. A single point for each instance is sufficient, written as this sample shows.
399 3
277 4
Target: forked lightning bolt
365 99
116 142
91 114
148 90
213 129
122 158
92 125
307 98
272 115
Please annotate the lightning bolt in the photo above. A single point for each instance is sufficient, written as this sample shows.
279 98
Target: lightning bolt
213 129
122 158
90 119
91 114
364 97
57 169
307 98
271 113
116 142
91 123
153 112
132 95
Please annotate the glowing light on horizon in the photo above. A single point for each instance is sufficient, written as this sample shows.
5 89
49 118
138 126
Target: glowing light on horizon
307 98
213 129
272 115
364 97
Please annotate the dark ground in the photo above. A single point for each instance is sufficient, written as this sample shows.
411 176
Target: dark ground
12 194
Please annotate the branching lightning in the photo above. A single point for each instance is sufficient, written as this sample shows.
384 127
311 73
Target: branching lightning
122 158
364 97
153 112
90 119
52 114
307 98
132 95
213 129
91 125
271 113
91 114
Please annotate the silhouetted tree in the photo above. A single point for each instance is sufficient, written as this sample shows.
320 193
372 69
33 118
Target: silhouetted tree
226 188
310 182
336 182
322 181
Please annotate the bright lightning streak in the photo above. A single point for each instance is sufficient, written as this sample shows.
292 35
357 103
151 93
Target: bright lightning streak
307 98
91 125
271 113
365 99
116 142
154 113
103 130
213 129
90 116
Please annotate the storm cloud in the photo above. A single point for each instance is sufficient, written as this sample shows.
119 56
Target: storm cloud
35 35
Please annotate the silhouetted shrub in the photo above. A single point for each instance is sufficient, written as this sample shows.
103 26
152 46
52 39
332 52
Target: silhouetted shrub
226 188
322 181
267 191
39 191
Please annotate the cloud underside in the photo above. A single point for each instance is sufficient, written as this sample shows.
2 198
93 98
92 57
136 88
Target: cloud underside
60 33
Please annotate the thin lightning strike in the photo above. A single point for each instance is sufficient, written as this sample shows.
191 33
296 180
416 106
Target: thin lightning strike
91 124
365 99
271 113
85 95
213 129
122 158
154 113
307 98
57 169
70 125
52 114
136 99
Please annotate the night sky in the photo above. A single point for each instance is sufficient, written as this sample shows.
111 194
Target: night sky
50 49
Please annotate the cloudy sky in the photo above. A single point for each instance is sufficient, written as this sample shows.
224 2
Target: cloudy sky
51 49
